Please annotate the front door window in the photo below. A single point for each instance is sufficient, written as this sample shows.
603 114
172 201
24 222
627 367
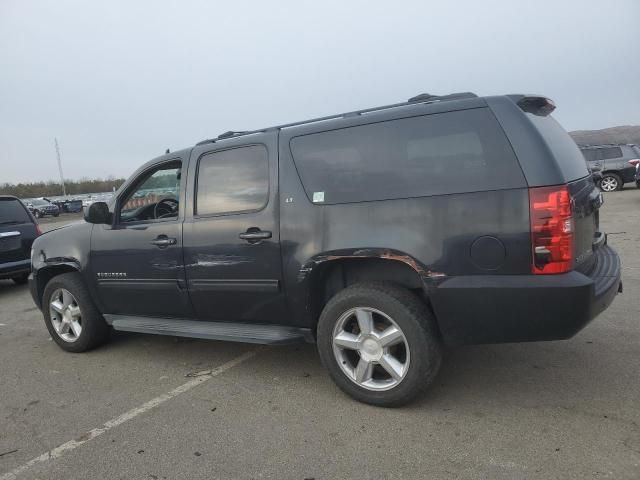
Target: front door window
156 198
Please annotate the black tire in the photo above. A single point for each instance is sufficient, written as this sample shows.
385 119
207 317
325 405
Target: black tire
638 183
615 178
56 214
414 319
20 279
95 330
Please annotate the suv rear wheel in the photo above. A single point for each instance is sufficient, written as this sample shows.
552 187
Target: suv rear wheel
72 319
610 182
380 343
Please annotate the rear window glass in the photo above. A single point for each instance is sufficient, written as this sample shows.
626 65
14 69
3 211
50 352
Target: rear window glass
565 150
453 152
12 211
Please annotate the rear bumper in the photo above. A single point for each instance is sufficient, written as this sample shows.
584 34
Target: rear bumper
12 269
523 308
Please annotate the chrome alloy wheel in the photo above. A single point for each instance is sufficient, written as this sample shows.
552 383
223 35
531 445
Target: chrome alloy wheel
609 184
371 349
65 315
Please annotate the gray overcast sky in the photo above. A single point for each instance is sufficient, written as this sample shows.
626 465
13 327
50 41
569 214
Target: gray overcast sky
118 82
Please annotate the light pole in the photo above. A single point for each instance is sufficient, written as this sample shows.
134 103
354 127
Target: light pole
64 190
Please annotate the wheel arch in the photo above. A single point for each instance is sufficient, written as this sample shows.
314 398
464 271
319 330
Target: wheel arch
46 273
326 274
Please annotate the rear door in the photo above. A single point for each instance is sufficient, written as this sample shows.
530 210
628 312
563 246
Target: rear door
232 237
17 231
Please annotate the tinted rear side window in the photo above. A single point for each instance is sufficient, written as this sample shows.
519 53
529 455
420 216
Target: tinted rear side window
565 150
453 152
611 152
233 181
12 211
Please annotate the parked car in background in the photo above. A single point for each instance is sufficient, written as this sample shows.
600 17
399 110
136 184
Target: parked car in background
617 163
349 231
18 229
67 205
40 207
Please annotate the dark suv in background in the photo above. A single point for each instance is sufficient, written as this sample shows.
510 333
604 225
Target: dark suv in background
40 207
18 230
616 163
349 231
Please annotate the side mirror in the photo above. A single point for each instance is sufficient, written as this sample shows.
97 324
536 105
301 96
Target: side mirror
98 213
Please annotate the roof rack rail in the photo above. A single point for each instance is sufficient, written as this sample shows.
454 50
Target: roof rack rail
231 133
422 98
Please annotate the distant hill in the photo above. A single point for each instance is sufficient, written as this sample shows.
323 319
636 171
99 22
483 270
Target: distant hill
623 134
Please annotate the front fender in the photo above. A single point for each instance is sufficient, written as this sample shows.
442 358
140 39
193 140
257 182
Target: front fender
58 251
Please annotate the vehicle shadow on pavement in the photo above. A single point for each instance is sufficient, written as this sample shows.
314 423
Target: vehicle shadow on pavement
530 375
8 288
559 374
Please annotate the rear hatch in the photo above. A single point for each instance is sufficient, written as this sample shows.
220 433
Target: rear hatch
17 231
585 198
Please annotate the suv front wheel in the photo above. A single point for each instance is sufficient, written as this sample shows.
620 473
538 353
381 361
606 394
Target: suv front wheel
72 319
379 343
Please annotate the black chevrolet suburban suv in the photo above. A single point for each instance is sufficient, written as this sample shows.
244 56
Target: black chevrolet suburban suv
381 235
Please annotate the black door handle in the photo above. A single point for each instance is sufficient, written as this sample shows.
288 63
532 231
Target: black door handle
162 241
255 235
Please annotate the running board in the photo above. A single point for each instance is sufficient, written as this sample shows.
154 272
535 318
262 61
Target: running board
228 331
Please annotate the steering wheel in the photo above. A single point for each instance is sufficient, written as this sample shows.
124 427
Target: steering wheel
169 205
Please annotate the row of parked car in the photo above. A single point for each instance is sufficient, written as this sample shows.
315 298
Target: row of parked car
41 207
616 164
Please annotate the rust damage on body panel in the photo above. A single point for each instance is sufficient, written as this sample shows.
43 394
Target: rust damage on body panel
383 254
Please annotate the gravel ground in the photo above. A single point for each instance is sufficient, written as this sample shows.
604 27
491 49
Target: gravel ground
555 410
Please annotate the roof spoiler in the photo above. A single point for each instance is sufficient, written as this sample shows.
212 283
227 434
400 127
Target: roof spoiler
535 104
427 97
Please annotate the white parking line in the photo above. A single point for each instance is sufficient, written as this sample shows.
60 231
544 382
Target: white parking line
125 417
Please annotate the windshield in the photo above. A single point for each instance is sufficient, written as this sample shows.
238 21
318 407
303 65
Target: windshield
39 203
12 211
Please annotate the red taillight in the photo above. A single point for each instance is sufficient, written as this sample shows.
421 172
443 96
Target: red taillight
38 230
634 162
551 229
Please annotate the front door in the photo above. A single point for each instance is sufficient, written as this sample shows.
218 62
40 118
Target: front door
232 238
137 262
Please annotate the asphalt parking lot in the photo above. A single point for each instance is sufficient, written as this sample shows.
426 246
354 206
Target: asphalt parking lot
556 410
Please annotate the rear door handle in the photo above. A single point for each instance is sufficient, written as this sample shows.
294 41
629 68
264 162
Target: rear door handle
162 241
254 235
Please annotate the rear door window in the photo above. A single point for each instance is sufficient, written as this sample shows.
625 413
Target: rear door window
12 212
591 155
453 152
233 181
